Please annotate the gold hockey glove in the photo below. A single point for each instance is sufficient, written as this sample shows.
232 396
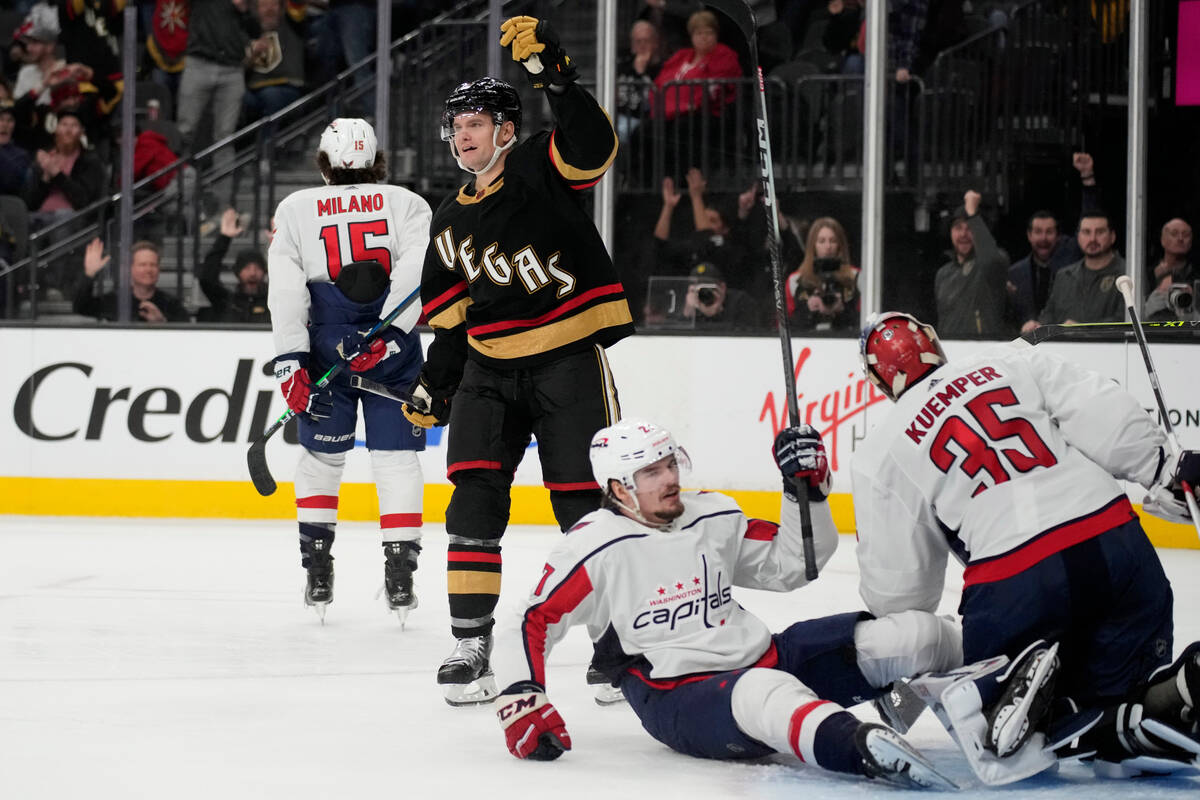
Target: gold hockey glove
426 410
535 46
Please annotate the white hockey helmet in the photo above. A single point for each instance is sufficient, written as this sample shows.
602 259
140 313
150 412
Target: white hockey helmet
620 450
349 143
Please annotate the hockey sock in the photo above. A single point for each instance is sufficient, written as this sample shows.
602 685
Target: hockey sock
400 486
473 580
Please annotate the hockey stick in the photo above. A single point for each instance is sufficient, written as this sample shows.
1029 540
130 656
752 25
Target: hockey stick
1105 330
743 16
375 387
1125 287
256 456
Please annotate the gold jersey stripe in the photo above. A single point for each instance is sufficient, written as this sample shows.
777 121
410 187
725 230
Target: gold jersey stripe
451 316
572 173
467 582
545 338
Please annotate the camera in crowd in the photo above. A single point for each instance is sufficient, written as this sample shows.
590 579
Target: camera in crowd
1180 297
707 277
706 293
826 270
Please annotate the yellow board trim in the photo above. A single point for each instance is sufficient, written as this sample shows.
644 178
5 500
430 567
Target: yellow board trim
100 497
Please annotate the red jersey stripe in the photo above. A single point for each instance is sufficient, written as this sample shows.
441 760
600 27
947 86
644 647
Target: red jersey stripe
1047 544
761 531
571 487
562 310
444 297
461 465
563 599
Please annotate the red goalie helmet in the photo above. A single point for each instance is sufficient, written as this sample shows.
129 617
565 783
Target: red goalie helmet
898 351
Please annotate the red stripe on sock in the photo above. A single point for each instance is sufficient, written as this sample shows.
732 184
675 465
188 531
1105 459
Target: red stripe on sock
400 520
798 717
318 501
488 558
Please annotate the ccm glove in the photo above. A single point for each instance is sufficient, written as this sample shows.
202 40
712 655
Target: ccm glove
426 409
297 387
535 45
383 346
800 455
1166 498
533 727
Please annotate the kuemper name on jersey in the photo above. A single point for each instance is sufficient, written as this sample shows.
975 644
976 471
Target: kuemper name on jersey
355 203
533 272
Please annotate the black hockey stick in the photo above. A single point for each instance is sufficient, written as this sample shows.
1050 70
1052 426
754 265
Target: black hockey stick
1106 330
256 456
1125 287
375 387
743 16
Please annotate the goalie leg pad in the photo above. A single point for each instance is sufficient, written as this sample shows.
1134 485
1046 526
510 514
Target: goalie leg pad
955 699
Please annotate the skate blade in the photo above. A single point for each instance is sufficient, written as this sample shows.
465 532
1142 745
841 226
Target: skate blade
477 692
319 608
917 772
402 614
1015 729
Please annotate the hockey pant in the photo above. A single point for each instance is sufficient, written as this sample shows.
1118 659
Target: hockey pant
398 482
494 416
793 700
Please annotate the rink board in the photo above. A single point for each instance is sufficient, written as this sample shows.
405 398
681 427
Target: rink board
156 422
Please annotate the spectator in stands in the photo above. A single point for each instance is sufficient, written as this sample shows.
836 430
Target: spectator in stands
150 304
42 72
1174 275
1030 278
219 37
246 303
844 35
823 293
1083 291
715 307
346 35
91 35
66 177
718 236
688 110
166 23
635 78
971 288
670 18
14 159
276 74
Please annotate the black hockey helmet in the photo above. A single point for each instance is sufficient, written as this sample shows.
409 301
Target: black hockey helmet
489 95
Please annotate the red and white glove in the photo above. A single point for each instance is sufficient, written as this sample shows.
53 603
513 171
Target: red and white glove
533 727
800 455
383 346
1167 499
297 387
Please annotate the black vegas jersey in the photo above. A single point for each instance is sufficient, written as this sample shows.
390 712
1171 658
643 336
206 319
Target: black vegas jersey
518 270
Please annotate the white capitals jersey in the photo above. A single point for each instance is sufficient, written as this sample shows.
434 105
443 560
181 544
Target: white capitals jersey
659 603
318 230
986 455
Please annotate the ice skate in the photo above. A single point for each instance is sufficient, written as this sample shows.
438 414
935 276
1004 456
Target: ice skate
886 756
466 676
899 706
400 561
1028 691
1132 744
318 589
605 693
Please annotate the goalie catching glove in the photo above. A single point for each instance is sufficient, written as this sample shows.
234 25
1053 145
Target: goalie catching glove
427 408
800 455
369 354
297 387
535 46
1166 498
532 726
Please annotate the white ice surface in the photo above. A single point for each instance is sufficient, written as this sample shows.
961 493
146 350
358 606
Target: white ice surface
174 659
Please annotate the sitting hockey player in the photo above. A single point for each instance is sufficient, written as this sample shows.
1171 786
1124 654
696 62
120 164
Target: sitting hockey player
343 257
1010 460
650 576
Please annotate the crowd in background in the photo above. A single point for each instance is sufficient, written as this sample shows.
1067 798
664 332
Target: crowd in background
221 64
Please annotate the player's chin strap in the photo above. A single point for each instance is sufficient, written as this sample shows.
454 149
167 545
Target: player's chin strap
499 148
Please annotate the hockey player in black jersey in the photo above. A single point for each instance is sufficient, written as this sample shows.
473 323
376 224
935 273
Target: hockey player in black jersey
522 298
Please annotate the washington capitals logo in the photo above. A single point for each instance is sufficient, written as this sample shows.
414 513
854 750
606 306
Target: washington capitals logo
673 602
